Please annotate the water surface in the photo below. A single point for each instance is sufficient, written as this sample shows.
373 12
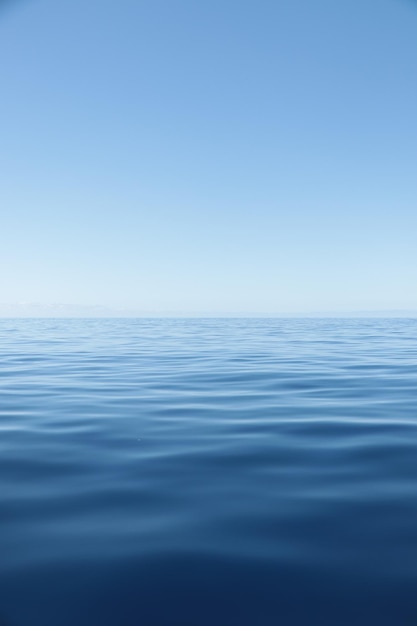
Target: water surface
208 472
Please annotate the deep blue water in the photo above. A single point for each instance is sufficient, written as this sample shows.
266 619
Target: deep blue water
208 472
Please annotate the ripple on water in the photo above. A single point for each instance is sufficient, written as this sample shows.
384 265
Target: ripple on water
200 472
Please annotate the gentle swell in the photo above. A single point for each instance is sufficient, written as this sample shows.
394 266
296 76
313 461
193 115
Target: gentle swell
208 472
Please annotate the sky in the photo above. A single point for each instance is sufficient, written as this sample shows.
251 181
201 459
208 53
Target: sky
208 156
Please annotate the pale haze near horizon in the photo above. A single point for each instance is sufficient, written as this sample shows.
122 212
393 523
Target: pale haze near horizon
210 157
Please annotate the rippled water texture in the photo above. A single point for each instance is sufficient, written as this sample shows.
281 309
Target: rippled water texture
208 472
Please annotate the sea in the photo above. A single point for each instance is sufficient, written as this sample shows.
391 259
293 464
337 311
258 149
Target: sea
208 472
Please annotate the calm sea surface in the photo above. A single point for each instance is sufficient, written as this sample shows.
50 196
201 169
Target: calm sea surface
208 472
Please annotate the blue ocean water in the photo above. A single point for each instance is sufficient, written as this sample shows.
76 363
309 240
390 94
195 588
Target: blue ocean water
208 472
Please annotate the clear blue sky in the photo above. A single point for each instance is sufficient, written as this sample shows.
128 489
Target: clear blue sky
217 155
